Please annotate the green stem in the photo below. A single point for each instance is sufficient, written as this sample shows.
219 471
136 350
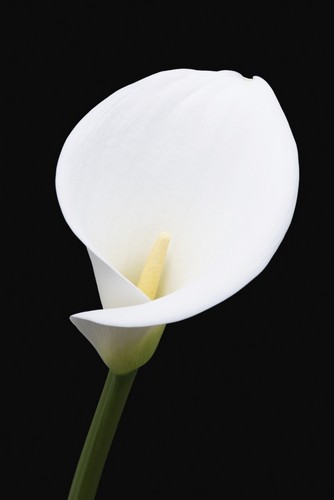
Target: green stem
100 436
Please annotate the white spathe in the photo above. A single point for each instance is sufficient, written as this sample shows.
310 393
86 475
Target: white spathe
207 156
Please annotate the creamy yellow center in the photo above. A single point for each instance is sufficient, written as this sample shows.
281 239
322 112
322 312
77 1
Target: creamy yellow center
151 273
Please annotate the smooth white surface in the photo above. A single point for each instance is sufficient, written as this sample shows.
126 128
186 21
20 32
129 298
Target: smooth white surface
208 157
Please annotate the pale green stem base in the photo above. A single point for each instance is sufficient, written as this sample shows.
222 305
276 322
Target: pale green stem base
100 436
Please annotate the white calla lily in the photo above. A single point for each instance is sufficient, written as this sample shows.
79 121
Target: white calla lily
207 156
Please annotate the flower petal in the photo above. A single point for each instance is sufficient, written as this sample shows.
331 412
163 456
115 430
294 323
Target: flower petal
206 156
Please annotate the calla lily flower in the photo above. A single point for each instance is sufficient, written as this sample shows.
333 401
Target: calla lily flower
206 156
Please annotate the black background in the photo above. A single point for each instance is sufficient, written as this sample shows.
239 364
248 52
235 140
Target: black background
237 402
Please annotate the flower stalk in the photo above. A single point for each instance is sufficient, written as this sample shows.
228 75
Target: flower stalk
100 436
